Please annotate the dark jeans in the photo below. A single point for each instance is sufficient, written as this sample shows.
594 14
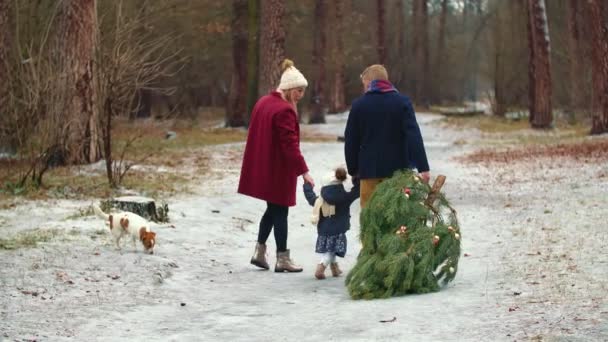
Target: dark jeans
275 216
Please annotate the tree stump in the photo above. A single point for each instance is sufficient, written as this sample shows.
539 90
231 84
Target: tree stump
142 206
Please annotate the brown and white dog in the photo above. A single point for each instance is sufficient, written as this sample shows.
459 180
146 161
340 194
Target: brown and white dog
127 223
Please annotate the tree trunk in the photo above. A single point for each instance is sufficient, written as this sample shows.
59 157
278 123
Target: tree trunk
574 52
539 65
380 13
236 109
272 44
597 20
499 65
438 78
421 53
317 98
465 14
75 48
253 53
426 69
337 96
5 47
416 83
400 69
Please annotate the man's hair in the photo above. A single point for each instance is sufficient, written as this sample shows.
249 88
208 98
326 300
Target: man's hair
375 72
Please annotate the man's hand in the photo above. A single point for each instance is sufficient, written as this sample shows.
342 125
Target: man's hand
308 179
426 176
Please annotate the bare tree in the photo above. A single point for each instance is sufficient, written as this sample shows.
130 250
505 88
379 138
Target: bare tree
539 65
597 19
236 110
131 60
317 98
272 44
380 31
337 102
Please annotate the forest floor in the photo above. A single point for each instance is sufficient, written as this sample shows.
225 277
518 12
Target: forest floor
532 215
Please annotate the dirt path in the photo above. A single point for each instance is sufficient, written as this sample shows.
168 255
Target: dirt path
535 267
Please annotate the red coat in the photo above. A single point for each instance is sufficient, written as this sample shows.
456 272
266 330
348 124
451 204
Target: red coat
272 161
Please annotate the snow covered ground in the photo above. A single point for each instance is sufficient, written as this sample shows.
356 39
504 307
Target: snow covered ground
535 266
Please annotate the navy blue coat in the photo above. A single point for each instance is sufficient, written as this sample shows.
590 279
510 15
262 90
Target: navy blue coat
383 136
336 195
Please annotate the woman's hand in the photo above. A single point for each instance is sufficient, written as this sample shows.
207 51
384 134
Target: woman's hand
308 179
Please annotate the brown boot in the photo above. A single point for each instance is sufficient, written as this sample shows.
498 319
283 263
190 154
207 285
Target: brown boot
285 264
259 256
335 270
320 272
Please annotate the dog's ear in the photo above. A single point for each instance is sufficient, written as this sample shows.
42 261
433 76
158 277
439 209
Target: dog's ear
142 233
111 222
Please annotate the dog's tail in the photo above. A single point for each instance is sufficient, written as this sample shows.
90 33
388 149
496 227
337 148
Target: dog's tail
100 213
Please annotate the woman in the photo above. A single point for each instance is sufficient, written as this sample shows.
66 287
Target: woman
272 163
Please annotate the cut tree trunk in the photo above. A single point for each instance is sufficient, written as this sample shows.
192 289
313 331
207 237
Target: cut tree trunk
142 206
435 189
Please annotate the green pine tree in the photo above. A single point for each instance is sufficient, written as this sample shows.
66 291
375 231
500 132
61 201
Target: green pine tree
411 243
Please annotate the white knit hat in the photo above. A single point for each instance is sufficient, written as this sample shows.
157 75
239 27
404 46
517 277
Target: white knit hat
291 77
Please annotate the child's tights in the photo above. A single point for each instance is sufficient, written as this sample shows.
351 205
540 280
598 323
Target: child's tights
328 258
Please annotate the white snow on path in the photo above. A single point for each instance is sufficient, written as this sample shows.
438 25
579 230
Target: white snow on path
199 285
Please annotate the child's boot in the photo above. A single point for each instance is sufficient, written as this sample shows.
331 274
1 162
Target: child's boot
335 270
285 264
259 256
320 272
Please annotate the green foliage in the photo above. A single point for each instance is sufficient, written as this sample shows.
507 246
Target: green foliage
394 260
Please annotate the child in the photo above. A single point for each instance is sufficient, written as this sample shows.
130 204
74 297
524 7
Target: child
331 214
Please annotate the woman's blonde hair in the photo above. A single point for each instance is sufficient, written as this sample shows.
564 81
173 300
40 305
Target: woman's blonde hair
287 63
375 72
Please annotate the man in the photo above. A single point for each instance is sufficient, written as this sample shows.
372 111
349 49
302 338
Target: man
382 135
